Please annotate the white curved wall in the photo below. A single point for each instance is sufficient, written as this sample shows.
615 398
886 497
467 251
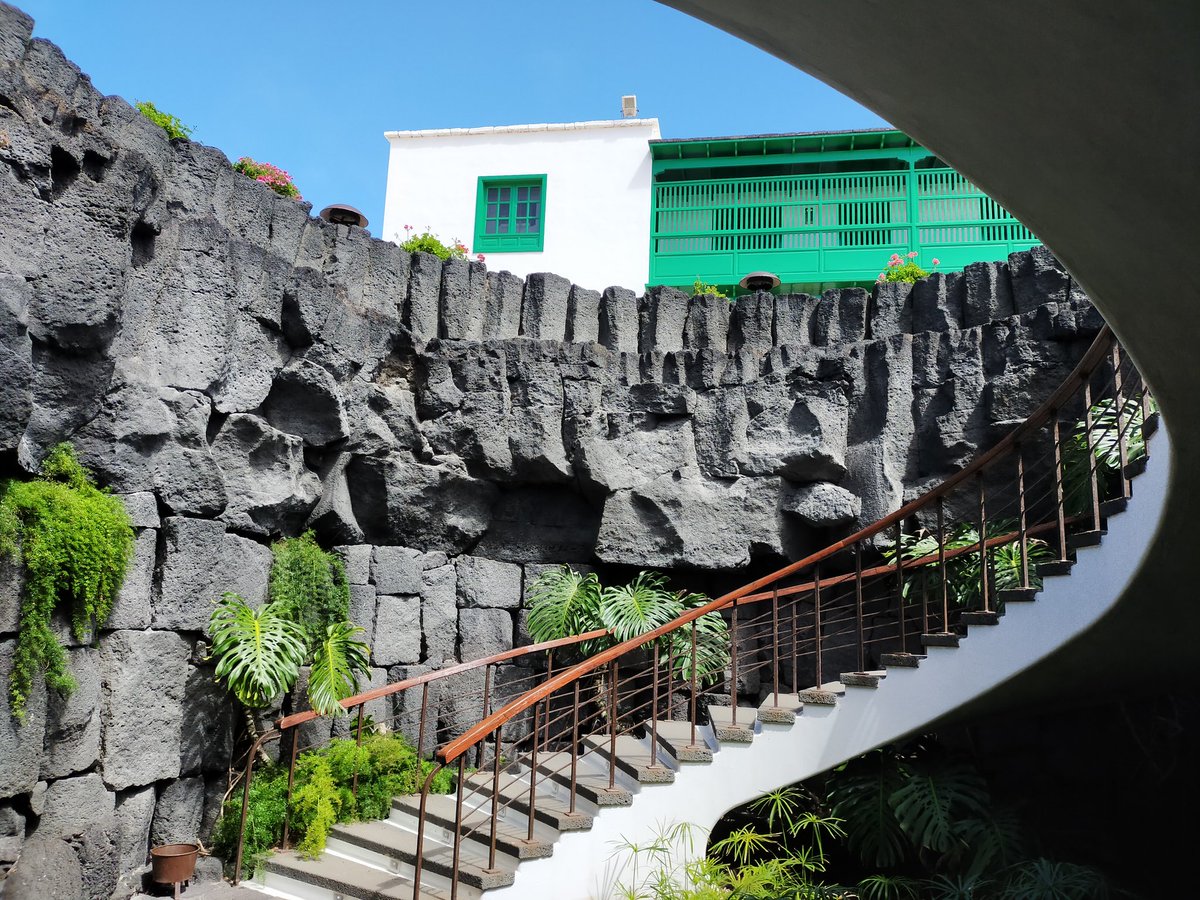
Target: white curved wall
597 217
586 865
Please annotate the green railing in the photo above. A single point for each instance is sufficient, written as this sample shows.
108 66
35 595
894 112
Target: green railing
820 229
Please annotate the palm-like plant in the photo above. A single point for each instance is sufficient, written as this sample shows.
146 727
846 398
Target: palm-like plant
639 607
563 603
338 662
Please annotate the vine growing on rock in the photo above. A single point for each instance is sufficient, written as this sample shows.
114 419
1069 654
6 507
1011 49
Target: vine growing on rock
73 541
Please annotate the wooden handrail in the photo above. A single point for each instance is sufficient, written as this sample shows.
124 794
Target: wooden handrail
389 689
1095 355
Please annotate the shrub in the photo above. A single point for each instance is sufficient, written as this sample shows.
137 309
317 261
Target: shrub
167 122
427 242
904 269
74 542
699 289
308 586
322 795
272 176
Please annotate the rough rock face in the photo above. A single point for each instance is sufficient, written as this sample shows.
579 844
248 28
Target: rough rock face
239 371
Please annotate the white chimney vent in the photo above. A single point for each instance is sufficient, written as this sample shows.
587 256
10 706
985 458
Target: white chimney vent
629 106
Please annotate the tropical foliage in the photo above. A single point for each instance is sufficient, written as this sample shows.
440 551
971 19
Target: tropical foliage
564 603
73 542
308 586
323 795
1111 424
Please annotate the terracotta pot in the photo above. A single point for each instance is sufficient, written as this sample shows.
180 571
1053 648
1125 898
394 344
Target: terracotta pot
173 863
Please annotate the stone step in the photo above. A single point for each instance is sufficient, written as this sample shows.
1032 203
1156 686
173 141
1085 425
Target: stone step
550 809
941 639
900 660
348 878
1150 424
863 679
781 710
388 840
1086 538
512 840
1055 567
825 695
1017 595
978 617
1136 467
592 786
724 727
633 757
1114 506
677 738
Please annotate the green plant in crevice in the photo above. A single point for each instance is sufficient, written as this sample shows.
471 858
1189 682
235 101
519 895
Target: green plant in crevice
702 289
308 586
167 122
1110 425
73 541
272 176
428 242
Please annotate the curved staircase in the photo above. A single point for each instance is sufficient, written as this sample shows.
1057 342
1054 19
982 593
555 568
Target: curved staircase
584 781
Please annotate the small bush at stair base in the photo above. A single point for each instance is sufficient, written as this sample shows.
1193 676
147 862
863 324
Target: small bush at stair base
322 796
74 542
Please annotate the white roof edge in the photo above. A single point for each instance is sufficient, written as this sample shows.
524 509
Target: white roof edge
518 129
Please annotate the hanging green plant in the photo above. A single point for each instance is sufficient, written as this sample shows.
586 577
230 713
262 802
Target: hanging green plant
74 542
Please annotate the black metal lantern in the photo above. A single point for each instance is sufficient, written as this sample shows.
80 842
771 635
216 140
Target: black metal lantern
760 281
341 214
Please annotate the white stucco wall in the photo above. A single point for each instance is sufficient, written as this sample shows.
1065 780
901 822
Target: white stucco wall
597 204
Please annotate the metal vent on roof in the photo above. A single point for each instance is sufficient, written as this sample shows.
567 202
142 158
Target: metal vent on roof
629 106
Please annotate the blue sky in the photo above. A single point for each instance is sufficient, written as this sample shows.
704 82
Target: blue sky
312 87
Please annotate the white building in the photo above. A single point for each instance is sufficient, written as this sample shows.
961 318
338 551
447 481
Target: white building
571 198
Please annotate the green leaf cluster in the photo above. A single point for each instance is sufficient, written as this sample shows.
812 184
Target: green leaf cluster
323 795
700 289
308 586
427 242
564 603
167 122
1110 423
73 542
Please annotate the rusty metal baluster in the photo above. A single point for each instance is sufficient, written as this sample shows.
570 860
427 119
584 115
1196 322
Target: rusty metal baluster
487 700
533 768
612 730
858 606
671 679
1119 401
574 750
251 756
900 585
1092 462
695 687
817 623
357 743
287 803
775 641
1023 524
495 801
795 643
419 855
924 600
421 727
458 805
549 700
983 554
733 652
941 541
1059 499
654 713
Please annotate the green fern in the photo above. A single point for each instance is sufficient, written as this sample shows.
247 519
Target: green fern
889 887
308 586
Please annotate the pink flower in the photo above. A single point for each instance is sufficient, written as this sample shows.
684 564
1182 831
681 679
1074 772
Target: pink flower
936 260
895 260
882 278
480 257
912 254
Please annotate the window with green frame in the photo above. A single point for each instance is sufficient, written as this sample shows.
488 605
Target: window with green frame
510 213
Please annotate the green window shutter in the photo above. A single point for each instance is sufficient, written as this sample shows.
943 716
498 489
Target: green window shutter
510 214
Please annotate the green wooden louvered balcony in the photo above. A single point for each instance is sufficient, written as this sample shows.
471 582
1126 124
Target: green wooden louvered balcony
821 229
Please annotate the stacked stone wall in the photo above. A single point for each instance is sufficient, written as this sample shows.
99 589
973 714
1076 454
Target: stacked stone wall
239 370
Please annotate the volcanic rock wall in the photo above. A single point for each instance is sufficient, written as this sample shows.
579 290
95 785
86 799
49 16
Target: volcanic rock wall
239 370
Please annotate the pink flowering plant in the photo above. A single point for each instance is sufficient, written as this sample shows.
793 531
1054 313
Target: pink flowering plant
904 268
272 176
428 242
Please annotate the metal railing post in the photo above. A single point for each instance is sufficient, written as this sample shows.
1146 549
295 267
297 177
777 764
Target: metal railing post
1023 522
983 554
1059 489
858 606
733 652
900 585
817 624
